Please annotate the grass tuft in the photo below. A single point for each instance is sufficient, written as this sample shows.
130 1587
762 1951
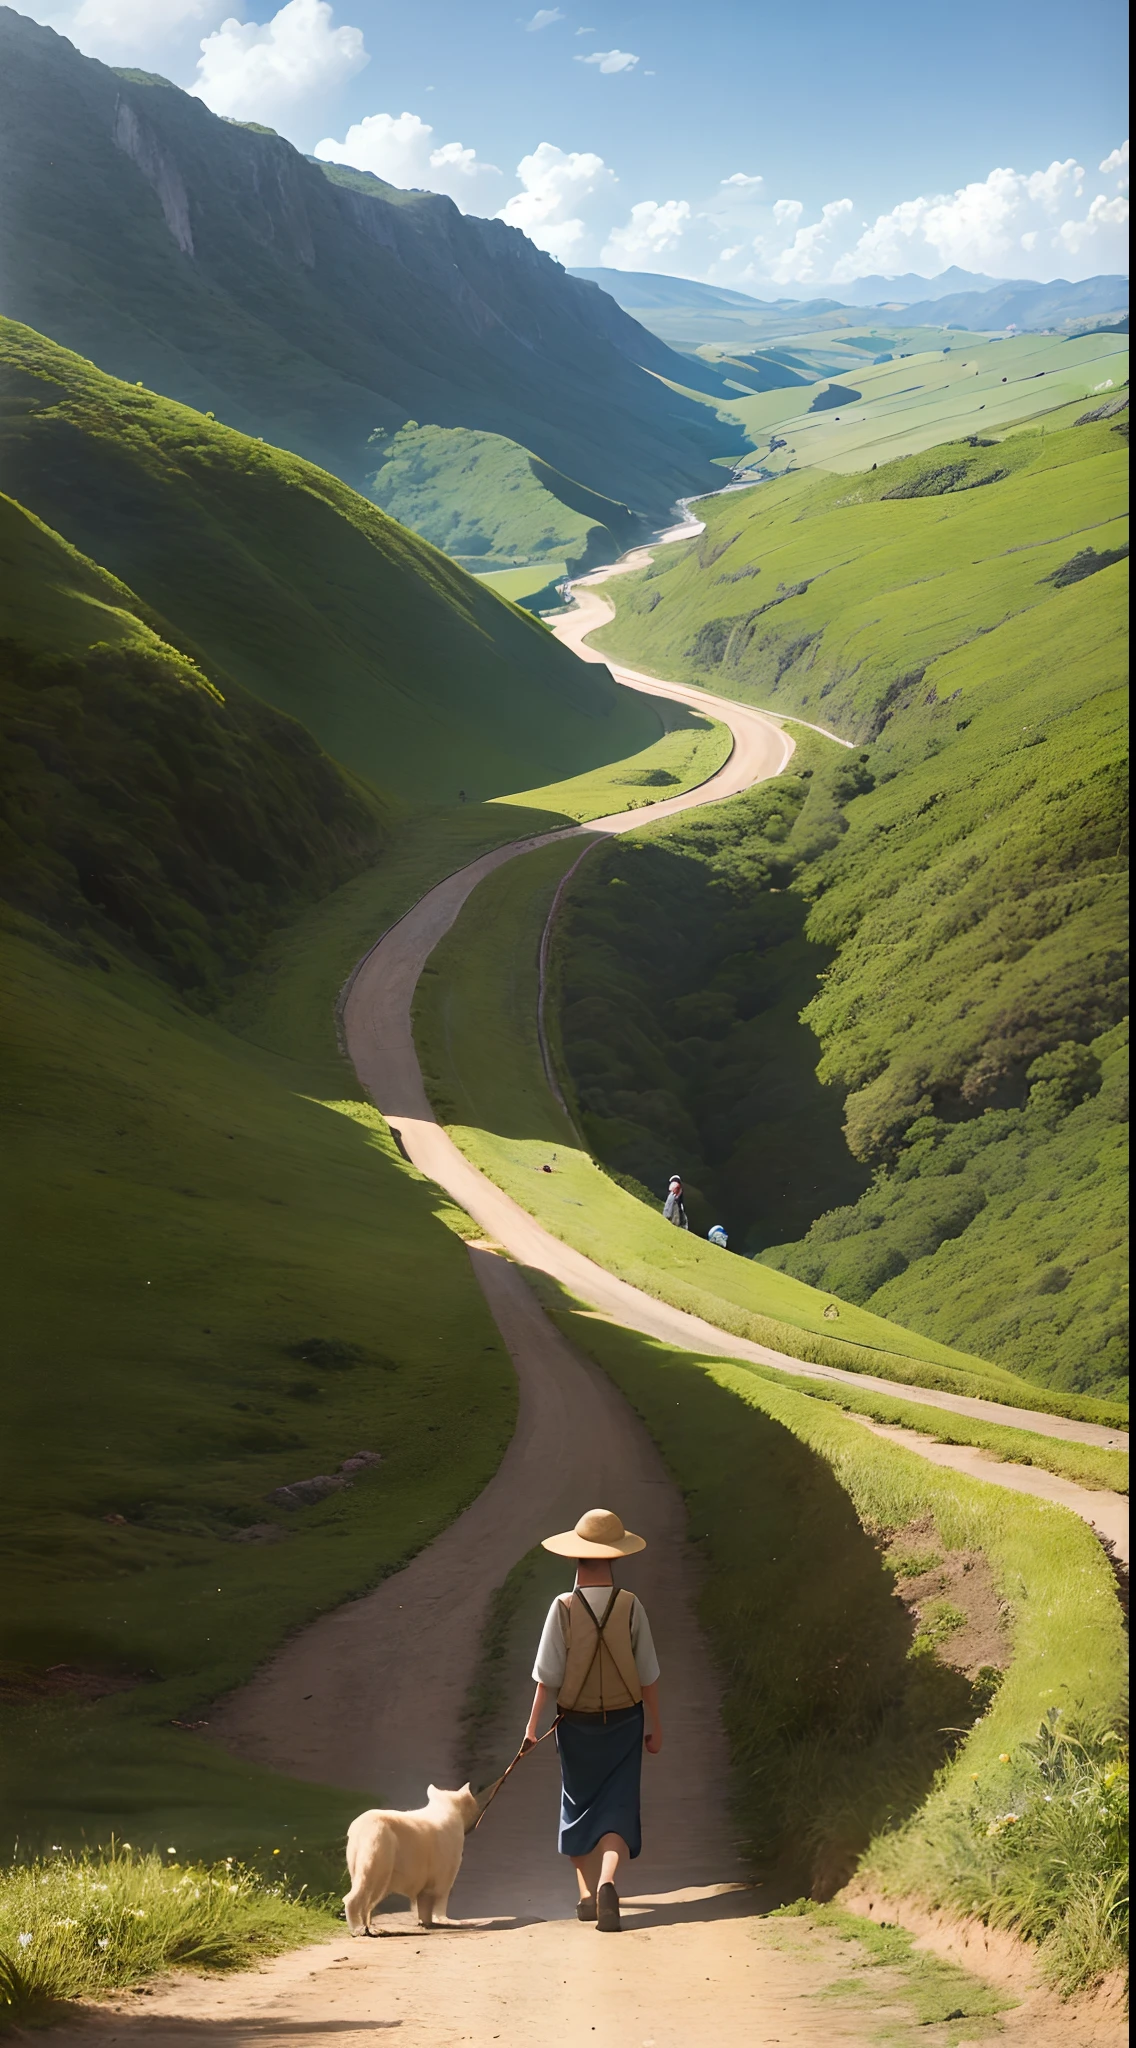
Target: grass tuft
78 1926
1040 1847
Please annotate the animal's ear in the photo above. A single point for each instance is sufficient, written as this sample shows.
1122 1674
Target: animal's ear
430 1791
467 1787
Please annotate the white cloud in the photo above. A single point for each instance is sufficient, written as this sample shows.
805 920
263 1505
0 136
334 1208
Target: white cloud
132 29
1104 215
1116 163
557 188
787 212
137 24
264 71
400 148
808 258
743 181
611 60
650 232
543 18
983 225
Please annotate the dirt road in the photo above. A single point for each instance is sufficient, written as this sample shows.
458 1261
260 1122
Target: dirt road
379 1036
689 1971
370 1696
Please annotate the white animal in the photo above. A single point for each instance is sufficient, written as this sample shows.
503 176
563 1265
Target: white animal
415 1854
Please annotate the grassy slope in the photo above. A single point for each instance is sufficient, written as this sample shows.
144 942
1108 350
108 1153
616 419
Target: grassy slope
490 504
837 1720
521 586
683 968
475 1024
964 385
691 750
242 1217
187 1206
974 902
140 803
404 668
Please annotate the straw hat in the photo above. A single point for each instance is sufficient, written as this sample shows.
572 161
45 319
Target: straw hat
599 1533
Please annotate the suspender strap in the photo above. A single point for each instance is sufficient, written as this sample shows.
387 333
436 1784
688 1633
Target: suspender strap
599 1626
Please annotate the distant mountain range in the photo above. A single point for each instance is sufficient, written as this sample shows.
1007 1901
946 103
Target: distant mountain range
1023 303
876 291
959 297
641 291
309 304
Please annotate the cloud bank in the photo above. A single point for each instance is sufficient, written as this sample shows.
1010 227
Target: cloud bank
401 149
254 71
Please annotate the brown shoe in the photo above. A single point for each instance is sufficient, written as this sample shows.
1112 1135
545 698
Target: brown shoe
586 1909
607 1910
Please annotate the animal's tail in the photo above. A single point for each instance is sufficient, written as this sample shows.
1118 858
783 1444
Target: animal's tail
370 1862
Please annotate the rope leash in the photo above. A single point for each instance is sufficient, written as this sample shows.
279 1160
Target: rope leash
526 1745
525 1749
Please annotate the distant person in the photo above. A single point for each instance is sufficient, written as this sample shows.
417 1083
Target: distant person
717 1235
674 1208
597 1661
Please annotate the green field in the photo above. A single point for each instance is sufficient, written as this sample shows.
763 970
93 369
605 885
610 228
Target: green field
963 615
863 414
692 748
276 576
519 584
475 1026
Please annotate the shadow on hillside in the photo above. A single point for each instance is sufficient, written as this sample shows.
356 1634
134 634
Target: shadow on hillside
673 1011
836 1729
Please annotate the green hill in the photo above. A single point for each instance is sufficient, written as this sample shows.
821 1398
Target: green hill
492 505
310 303
273 572
222 1279
144 803
959 895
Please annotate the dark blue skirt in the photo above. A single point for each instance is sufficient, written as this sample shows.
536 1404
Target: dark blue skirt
600 1766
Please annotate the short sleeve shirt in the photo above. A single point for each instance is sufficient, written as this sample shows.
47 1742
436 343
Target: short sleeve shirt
551 1657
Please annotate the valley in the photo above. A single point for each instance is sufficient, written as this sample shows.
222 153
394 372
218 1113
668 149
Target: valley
415 848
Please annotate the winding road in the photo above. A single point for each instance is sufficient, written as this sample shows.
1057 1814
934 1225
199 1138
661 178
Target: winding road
343 1702
370 1696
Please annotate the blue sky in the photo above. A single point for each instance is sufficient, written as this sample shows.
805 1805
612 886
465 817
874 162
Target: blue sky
764 147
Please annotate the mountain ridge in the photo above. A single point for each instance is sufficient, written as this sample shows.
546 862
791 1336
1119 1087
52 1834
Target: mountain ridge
983 304
213 262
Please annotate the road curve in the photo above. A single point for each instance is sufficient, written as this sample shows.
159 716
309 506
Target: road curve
379 1038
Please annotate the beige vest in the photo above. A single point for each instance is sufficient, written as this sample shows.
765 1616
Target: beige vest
599 1675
